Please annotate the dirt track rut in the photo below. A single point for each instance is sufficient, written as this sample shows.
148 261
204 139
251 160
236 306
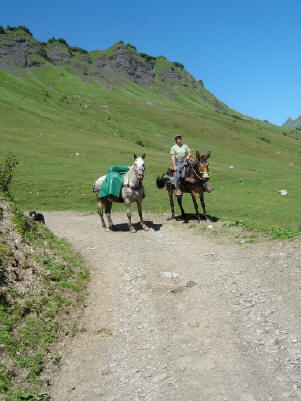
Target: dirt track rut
173 316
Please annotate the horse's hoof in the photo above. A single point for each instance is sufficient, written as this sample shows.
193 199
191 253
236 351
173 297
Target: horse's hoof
113 228
145 228
132 230
107 230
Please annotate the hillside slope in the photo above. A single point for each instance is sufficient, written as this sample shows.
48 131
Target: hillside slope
41 284
69 114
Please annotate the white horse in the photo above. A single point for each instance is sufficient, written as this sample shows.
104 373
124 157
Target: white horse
132 191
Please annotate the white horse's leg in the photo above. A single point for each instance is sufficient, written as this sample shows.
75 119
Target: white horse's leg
100 212
139 205
108 214
129 215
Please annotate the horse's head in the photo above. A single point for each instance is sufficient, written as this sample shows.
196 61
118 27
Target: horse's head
203 165
139 166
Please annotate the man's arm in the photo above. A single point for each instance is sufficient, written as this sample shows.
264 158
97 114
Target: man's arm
173 161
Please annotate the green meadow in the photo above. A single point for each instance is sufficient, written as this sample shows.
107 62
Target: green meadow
52 113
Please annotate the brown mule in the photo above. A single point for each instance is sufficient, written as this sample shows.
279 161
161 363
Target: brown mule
194 183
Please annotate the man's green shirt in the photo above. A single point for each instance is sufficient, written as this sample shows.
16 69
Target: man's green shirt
179 151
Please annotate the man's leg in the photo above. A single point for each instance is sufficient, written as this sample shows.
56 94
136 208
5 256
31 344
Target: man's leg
178 175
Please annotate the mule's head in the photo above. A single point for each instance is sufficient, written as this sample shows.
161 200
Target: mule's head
139 166
203 165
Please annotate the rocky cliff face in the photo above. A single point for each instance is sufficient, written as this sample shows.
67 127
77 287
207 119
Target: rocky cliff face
290 123
58 52
22 50
117 65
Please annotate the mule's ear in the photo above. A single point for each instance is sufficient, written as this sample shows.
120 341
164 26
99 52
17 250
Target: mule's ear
143 156
135 156
208 154
197 155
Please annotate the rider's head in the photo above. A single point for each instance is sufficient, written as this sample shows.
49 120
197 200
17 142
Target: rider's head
178 139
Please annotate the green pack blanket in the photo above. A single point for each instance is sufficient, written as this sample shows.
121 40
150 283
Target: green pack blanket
113 182
171 179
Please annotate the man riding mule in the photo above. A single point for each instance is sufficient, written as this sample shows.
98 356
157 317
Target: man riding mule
180 153
130 190
194 183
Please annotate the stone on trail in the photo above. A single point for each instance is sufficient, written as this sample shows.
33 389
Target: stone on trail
170 275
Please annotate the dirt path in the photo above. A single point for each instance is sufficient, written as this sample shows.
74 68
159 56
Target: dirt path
173 316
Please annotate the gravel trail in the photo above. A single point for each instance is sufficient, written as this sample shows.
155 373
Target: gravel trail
175 316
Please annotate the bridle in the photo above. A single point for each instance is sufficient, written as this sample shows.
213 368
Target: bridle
192 166
137 173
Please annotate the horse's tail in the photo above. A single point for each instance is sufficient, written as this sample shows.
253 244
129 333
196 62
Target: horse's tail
161 182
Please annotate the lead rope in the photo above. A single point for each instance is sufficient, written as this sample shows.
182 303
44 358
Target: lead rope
133 188
128 184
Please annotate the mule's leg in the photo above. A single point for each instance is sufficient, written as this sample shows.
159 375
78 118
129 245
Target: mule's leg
129 215
196 206
108 214
179 198
100 212
203 205
139 205
171 201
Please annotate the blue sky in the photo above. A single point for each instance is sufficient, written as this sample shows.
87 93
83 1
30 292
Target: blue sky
248 53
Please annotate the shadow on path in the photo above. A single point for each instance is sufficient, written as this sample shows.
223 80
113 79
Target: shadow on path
190 216
149 223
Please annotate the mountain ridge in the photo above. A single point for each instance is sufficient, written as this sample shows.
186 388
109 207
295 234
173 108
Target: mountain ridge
114 66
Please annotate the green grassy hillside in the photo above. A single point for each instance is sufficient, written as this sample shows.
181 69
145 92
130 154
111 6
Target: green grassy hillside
51 113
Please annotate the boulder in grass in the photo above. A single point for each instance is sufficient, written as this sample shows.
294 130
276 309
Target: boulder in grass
283 192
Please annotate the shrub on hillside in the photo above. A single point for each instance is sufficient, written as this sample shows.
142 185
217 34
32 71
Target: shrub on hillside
24 28
147 57
17 28
139 142
8 164
129 45
59 40
78 49
1 30
179 65
11 28
267 140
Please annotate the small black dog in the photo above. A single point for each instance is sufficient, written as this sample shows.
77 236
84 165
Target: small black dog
37 216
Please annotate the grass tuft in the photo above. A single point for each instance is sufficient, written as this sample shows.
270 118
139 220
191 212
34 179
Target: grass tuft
271 231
